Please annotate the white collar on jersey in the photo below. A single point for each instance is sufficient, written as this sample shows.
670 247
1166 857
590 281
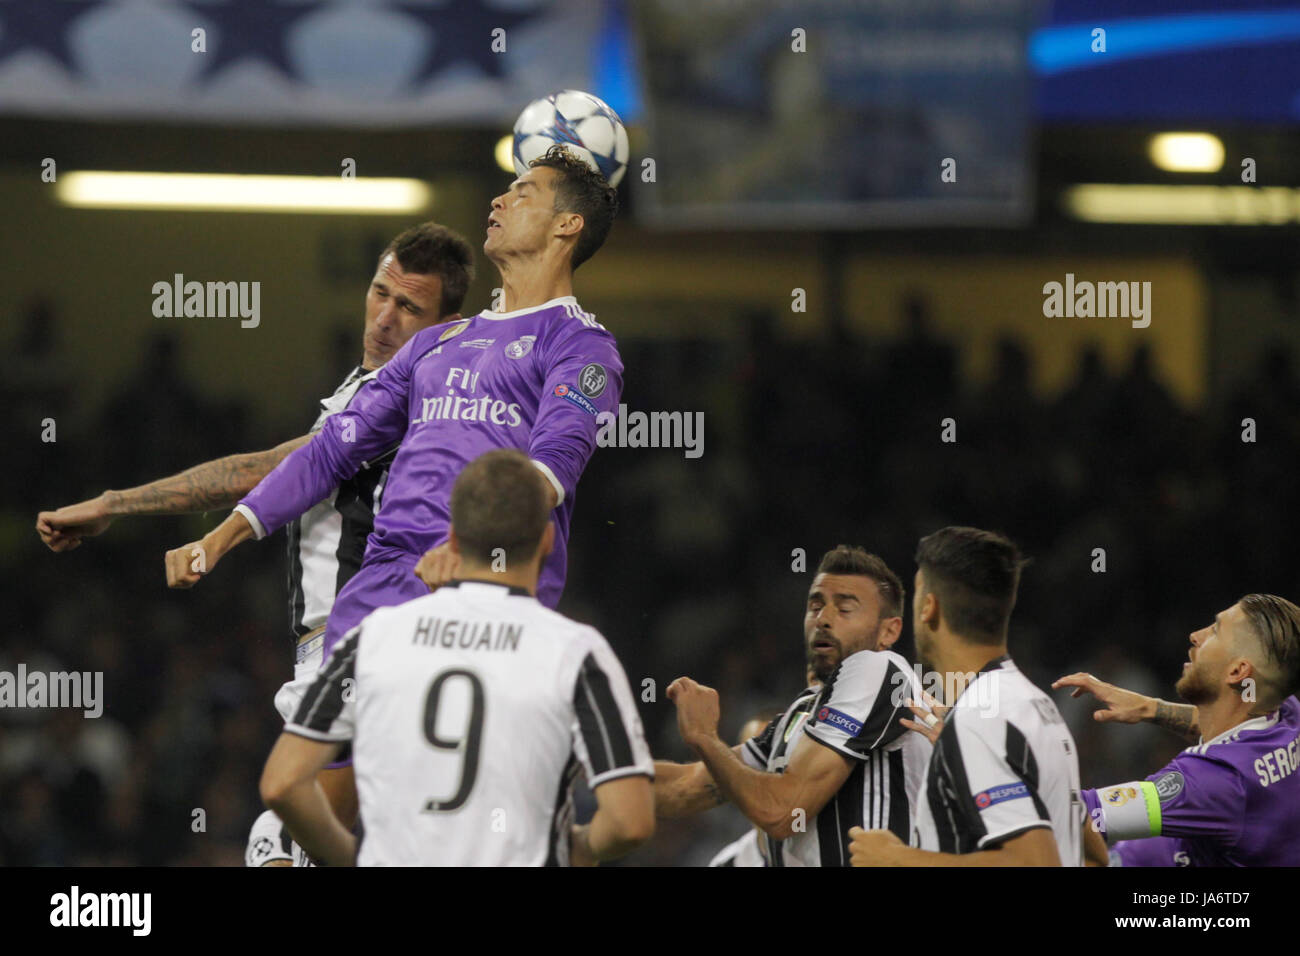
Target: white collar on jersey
562 300
1262 722
487 588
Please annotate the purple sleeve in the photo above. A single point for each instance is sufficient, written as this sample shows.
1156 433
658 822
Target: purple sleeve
374 421
1193 796
1155 851
584 377
1200 797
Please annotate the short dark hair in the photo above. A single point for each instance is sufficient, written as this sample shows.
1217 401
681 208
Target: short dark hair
499 501
433 249
581 189
1276 622
850 559
975 575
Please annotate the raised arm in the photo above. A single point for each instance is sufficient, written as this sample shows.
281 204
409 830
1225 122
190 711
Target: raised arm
583 380
374 422
772 801
1128 707
685 789
1181 719
214 484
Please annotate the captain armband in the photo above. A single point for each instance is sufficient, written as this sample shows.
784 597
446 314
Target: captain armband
1131 811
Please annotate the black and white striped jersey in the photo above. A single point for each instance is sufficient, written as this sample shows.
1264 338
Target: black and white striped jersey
1004 763
470 712
856 713
327 543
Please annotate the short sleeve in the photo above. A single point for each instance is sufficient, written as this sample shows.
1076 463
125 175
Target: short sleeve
1000 770
862 708
608 738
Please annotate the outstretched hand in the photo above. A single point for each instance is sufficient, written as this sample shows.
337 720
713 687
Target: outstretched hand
1121 706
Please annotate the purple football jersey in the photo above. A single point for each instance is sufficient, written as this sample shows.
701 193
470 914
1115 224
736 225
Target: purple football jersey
532 379
1153 851
1230 801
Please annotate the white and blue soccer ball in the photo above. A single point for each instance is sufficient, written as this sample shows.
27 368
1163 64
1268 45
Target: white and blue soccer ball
582 122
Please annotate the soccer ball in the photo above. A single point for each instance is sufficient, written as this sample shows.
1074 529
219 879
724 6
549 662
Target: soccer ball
582 122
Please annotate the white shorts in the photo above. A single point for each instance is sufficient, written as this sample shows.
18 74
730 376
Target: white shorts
307 662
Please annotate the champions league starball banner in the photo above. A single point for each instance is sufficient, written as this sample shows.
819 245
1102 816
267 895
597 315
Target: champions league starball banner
336 62
838 113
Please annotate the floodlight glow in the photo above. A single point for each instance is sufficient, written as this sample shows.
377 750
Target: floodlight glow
1187 152
240 193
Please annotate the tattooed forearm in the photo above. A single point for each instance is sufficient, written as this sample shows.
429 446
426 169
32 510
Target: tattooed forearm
683 790
1179 718
213 484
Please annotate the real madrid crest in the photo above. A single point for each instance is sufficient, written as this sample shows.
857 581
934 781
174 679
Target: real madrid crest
520 346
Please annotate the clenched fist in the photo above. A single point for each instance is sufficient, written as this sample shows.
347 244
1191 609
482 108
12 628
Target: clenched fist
186 564
872 847
63 530
437 566
697 709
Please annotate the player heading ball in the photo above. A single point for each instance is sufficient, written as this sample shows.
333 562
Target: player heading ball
439 697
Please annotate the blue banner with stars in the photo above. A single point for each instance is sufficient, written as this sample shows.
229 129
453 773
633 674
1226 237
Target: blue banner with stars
349 62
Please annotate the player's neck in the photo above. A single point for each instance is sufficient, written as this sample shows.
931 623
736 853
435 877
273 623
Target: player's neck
1223 714
962 657
525 578
530 283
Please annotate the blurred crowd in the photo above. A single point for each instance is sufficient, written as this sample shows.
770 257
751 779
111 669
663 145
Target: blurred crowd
689 566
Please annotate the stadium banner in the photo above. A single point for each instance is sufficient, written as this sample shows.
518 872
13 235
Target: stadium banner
838 113
376 63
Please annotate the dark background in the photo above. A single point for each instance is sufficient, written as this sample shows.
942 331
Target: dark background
821 427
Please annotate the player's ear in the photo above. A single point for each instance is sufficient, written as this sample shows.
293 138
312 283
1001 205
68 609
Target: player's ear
891 628
1240 671
929 614
569 224
548 540
453 542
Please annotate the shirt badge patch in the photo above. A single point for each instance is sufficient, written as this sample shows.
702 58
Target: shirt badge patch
592 380
261 850
570 394
453 330
1007 791
1169 786
520 346
839 720
794 725
1118 796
